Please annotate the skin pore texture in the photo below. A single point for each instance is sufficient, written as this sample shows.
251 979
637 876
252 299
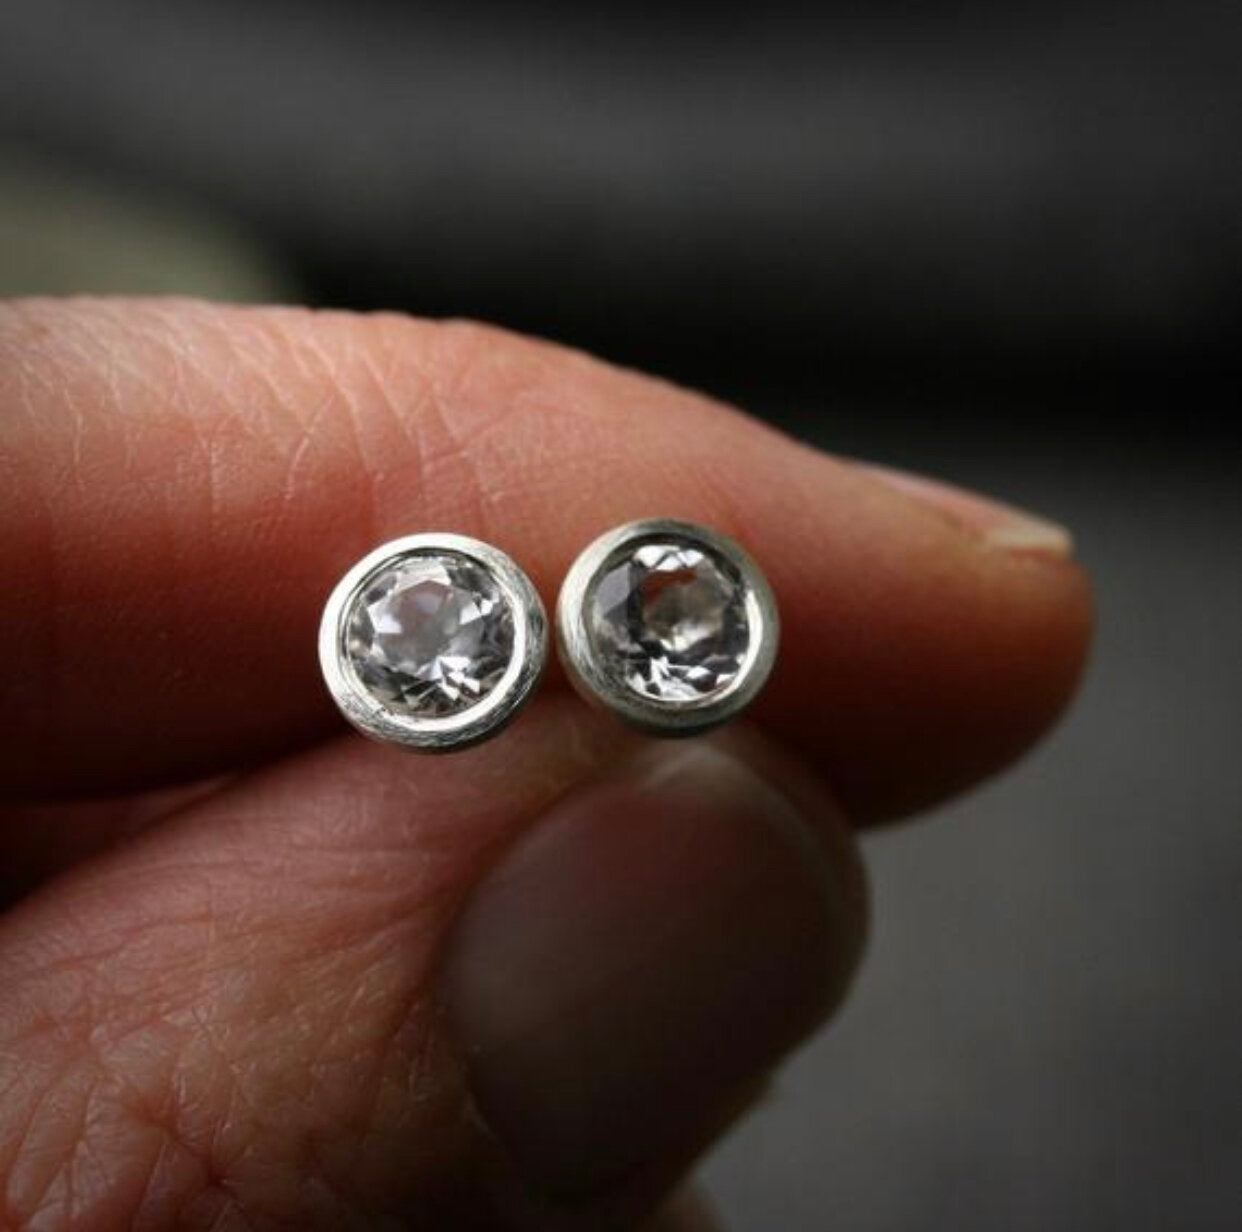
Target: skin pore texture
252 965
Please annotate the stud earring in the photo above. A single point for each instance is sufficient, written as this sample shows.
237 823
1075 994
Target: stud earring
433 641
669 625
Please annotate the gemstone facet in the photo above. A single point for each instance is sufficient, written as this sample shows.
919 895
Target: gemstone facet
668 619
430 635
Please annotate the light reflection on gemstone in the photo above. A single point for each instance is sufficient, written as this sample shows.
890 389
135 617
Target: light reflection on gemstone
668 619
430 635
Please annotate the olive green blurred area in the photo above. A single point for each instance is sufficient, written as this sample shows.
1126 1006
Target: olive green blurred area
64 231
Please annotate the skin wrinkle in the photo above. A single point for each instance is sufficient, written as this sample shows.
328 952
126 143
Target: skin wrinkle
211 486
19 365
163 1202
78 433
402 389
168 597
367 1097
153 1102
355 420
128 371
155 1185
20 1155
455 368
305 444
81 1192
199 1033
230 1209
55 632
46 1148
370 515
320 384
240 421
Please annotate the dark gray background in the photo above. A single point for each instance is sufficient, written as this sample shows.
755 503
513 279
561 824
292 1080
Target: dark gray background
999 243
1046 1033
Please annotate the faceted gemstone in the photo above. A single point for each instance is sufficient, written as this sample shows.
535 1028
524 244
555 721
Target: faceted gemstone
430 635
668 619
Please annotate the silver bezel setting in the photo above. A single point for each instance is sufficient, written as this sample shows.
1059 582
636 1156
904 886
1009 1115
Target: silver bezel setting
669 718
370 715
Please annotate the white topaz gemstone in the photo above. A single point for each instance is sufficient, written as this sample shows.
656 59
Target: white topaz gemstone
430 635
668 619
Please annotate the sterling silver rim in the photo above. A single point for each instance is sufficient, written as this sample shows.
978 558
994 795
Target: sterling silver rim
370 715
598 686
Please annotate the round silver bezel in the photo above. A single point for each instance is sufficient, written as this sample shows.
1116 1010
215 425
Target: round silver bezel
588 676
370 715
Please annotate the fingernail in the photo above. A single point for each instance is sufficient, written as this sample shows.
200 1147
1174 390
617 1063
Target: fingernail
999 525
648 949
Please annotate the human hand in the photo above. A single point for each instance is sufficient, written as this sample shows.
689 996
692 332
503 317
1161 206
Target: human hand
260 973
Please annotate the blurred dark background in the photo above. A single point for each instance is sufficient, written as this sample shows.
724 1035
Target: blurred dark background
1001 243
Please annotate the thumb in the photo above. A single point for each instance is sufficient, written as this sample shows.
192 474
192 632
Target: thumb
641 956
518 987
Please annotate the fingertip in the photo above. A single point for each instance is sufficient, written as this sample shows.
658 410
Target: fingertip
939 643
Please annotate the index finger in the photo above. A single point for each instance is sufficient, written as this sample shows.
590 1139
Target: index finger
184 483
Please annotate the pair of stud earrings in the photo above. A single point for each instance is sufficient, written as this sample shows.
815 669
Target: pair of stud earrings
435 641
